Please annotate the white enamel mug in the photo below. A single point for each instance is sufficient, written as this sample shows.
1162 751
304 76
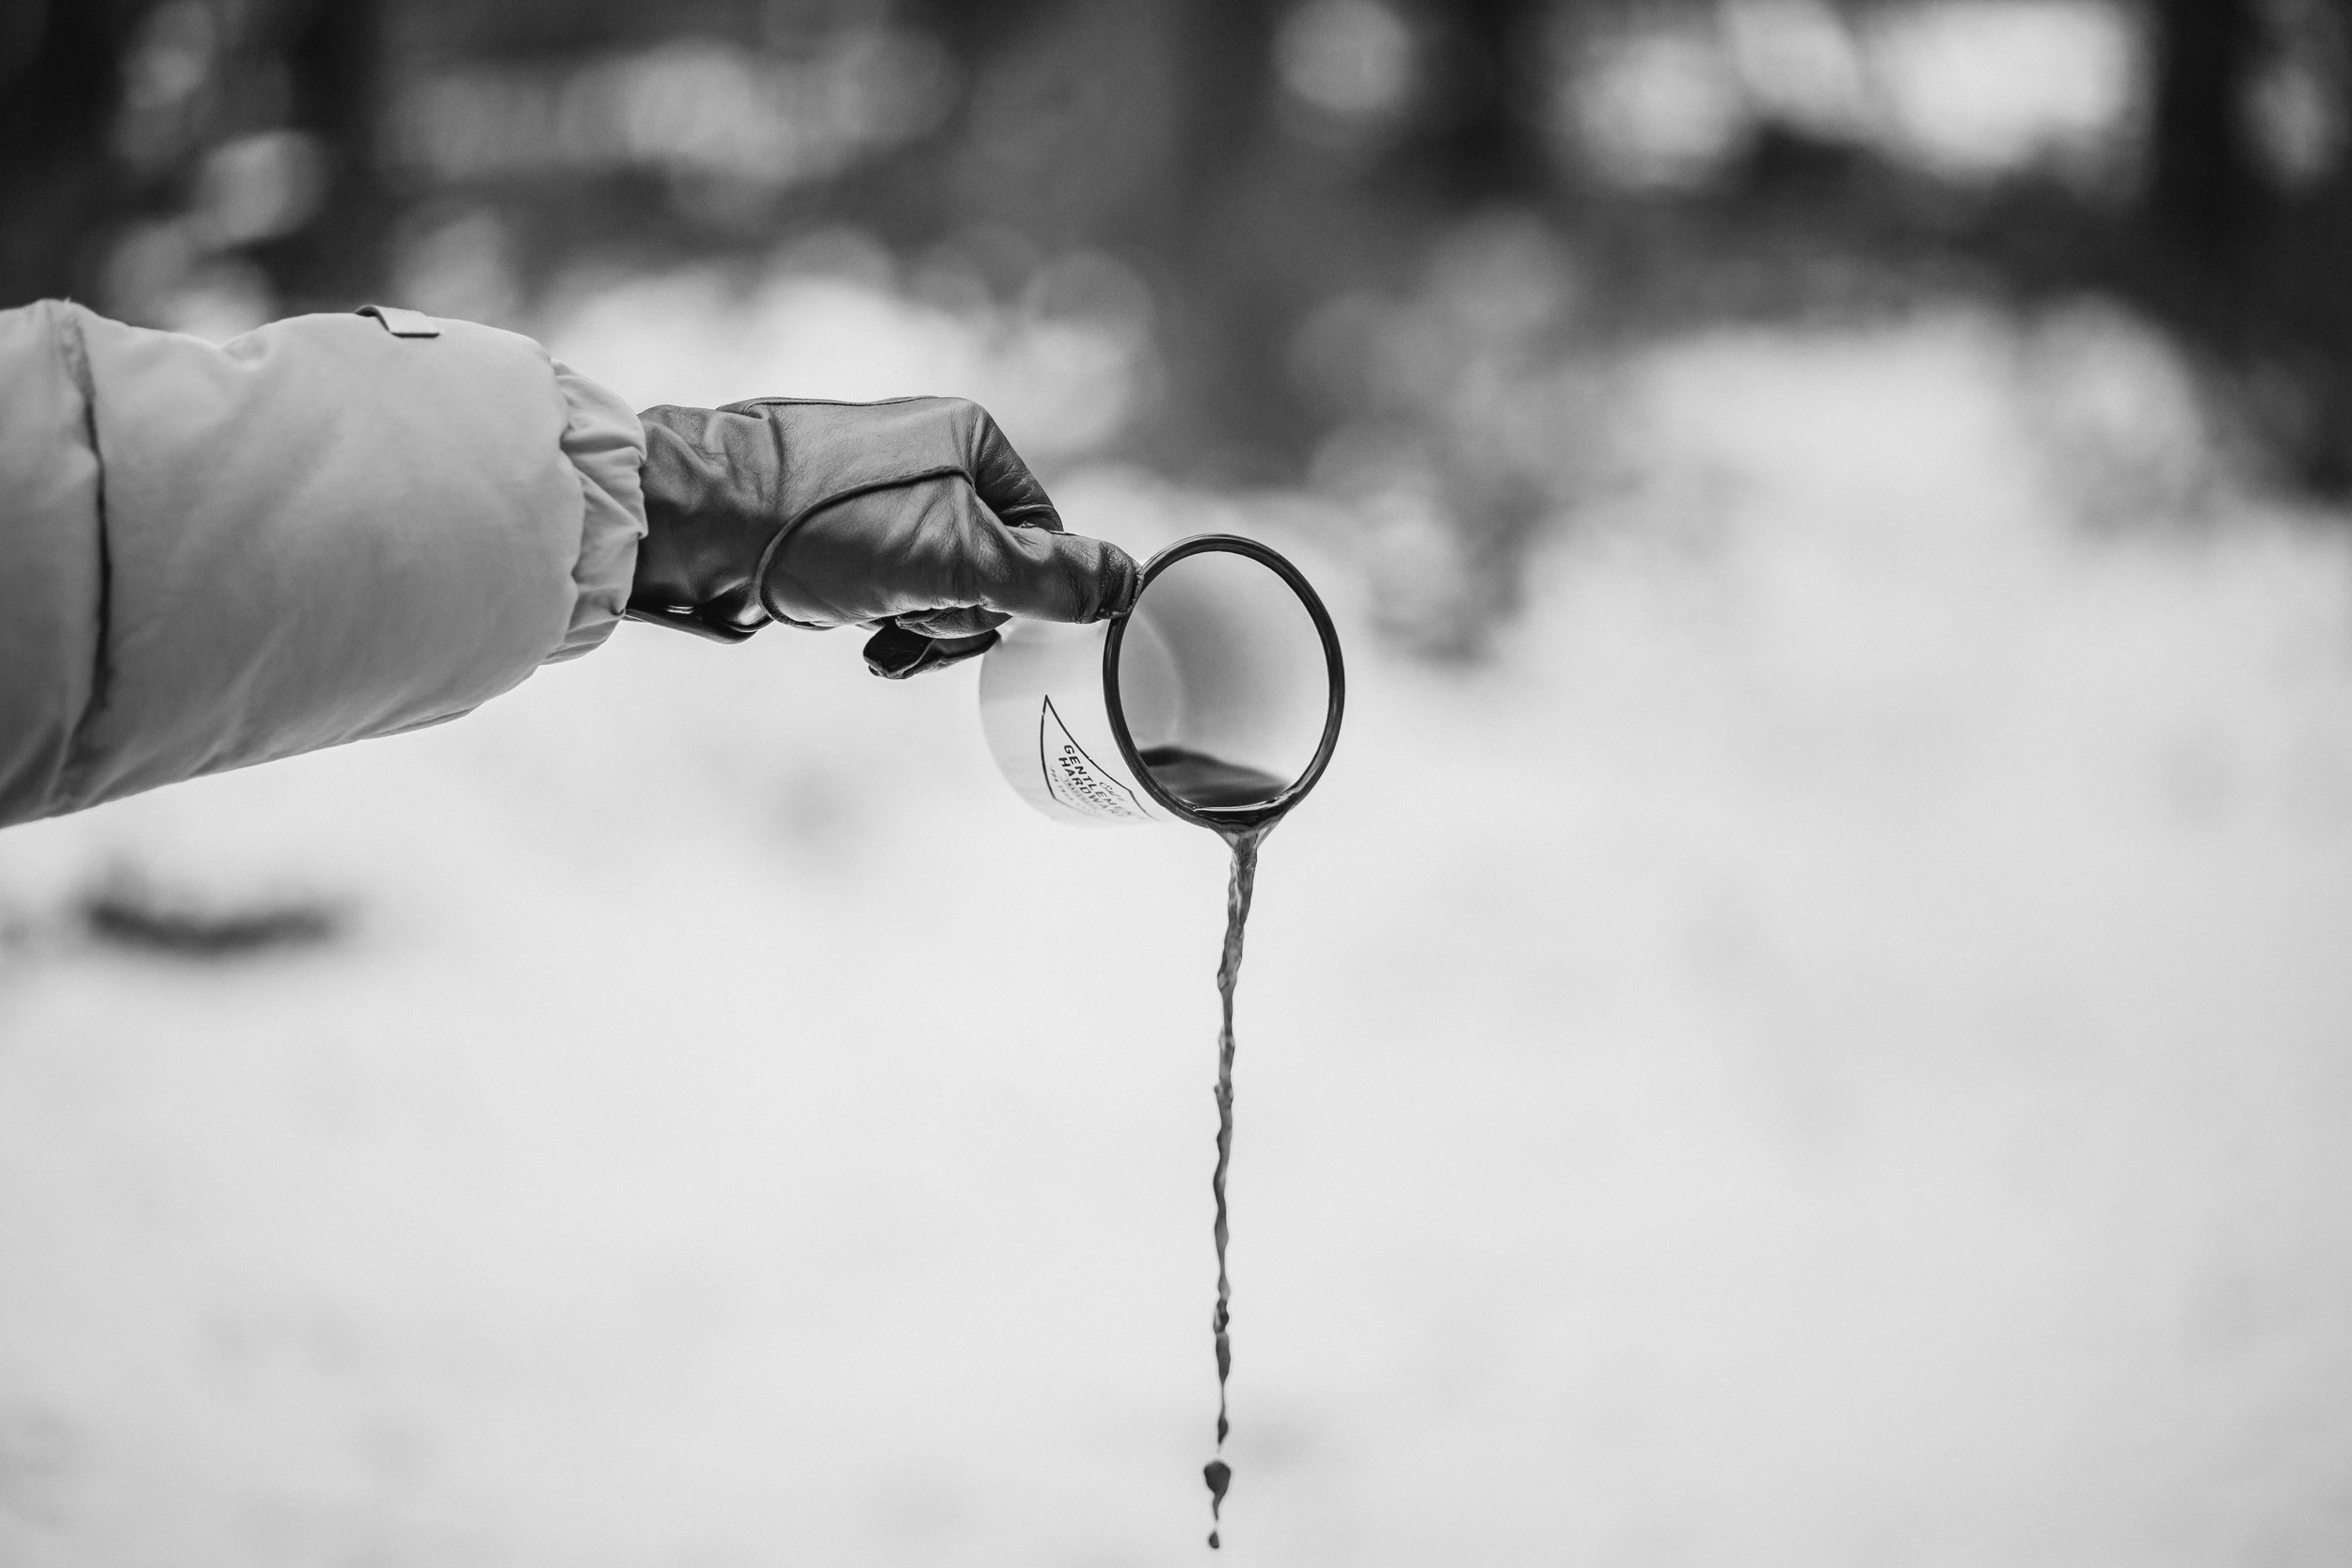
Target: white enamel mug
1214 701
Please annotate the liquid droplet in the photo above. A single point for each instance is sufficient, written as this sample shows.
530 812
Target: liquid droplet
1220 1475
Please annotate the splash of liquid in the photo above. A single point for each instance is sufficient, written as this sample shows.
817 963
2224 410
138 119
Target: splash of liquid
1244 842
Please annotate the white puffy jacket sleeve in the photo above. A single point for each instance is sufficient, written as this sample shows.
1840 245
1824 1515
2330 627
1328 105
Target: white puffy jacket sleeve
331 528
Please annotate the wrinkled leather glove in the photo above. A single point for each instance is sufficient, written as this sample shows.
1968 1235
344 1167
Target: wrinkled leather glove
914 515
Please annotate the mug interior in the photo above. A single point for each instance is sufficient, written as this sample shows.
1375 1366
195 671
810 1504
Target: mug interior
1224 681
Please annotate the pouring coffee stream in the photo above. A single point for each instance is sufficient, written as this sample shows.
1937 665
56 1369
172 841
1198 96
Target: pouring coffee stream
1243 882
1209 784
1216 701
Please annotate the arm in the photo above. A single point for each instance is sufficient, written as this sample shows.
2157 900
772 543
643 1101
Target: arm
321 531
337 527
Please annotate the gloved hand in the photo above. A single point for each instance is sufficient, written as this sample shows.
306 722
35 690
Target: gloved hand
915 515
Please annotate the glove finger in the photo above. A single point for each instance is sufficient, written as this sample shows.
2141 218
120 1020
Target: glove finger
969 621
1053 576
1002 478
894 653
933 548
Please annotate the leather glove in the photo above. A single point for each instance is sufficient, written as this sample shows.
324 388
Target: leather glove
914 515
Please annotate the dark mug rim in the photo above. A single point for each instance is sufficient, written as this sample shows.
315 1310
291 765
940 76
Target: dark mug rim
1239 818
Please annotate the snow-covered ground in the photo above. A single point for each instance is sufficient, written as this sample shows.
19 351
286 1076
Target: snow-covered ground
1834 1049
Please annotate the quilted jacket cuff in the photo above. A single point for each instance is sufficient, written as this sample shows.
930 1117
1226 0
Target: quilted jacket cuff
606 445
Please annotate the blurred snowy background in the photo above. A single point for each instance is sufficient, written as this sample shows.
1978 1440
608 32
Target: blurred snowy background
1808 1024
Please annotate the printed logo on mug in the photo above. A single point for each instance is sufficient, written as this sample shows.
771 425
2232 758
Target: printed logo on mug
1215 700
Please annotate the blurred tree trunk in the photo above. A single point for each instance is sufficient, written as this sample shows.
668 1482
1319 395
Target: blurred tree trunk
334 51
1252 244
1228 411
1486 147
2317 260
2256 272
2206 194
60 77
1223 52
